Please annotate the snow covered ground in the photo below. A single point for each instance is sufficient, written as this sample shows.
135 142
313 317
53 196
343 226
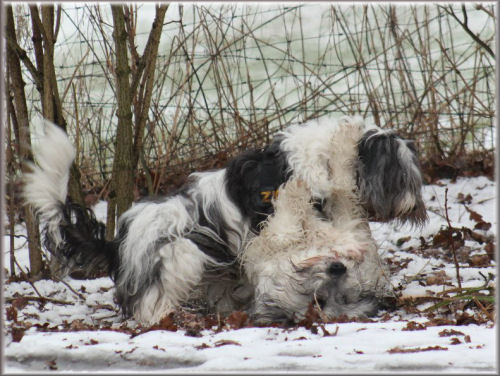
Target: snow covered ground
78 329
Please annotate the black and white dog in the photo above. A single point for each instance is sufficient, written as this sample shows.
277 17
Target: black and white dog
220 245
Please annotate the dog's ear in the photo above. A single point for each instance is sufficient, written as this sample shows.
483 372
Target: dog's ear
242 178
253 179
389 178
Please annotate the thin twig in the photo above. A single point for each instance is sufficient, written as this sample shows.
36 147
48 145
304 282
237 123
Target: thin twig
69 287
40 299
25 276
322 315
485 311
452 243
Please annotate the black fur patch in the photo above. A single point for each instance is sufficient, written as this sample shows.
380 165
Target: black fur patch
215 247
84 245
379 172
254 172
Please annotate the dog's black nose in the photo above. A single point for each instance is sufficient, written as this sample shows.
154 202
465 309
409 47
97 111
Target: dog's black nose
336 269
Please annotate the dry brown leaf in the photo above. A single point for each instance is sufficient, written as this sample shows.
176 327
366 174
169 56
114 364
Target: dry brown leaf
455 341
412 325
450 332
237 320
17 333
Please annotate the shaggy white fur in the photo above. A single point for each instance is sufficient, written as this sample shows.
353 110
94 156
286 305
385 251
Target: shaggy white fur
322 153
46 186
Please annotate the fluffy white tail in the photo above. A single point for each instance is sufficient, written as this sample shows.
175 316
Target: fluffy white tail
46 186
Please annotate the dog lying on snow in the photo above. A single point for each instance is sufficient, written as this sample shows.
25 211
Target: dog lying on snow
232 239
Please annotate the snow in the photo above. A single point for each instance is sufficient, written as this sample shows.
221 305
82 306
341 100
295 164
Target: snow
350 347
355 348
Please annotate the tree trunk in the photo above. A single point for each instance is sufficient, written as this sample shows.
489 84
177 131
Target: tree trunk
134 90
122 182
21 121
10 164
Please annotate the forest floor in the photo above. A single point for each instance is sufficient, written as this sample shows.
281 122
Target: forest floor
73 325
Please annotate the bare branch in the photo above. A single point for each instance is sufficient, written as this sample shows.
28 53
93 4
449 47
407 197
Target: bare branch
58 22
23 56
466 28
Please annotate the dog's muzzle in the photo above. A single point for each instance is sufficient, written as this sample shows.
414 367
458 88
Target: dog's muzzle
356 289
336 269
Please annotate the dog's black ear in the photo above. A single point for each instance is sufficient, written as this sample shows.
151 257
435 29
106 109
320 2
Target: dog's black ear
389 178
253 179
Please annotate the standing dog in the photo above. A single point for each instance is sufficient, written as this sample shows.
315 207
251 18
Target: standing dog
201 245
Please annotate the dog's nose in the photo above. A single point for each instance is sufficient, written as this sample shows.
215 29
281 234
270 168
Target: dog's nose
336 269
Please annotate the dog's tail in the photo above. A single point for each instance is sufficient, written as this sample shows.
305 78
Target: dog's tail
71 232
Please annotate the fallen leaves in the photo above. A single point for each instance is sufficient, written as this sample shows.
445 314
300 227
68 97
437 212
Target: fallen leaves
166 323
464 199
403 240
438 278
448 238
203 346
449 333
479 261
219 343
17 333
237 320
478 218
19 303
77 325
11 313
311 318
412 325
455 341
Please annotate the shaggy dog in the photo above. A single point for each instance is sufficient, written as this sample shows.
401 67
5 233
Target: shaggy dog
201 246
326 257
